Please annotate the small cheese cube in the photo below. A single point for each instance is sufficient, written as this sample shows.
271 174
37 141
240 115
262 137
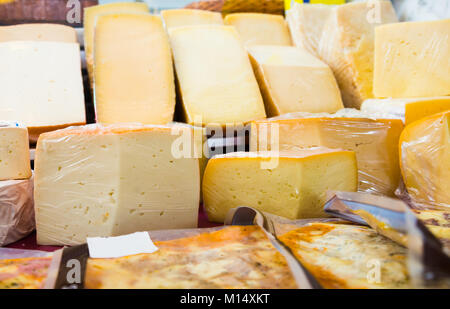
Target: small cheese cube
14 152
38 32
189 17
292 80
294 186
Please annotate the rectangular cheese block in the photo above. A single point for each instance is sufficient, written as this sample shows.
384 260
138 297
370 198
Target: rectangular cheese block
375 142
216 80
419 52
190 17
347 46
293 80
134 79
90 19
425 160
14 152
260 29
294 187
112 180
38 32
407 109
41 85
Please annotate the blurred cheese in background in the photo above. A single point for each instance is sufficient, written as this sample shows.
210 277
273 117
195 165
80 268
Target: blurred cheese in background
38 32
292 80
111 180
133 70
216 80
260 29
41 85
14 152
188 17
412 59
294 188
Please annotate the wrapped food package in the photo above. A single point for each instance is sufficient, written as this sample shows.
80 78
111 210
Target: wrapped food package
14 151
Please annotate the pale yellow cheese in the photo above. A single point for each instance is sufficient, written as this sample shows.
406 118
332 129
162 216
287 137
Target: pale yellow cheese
111 180
292 80
260 29
189 17
134 79
412 59
347 46
216 80
295 187
14 152
38 32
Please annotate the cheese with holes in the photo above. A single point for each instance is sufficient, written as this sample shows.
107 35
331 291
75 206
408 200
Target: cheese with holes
90 19
375 142
425 159
216 80
292 80
407 109
14 152
112 180
41 85
189 17
419 52
38 32
134 79
347 46
289 184
260 29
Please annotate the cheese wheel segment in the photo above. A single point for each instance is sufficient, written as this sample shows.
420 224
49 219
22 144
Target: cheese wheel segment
134 79
189 17
14 152
38 32
294 186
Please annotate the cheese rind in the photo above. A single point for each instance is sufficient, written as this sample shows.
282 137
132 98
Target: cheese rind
417 51
112 180
134 79
14 152
292 80
189 17
295 188
260 29
38 32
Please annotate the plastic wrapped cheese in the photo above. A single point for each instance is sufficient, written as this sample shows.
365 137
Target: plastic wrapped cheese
14 151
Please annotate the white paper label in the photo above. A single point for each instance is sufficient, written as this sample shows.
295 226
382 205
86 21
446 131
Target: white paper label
114 247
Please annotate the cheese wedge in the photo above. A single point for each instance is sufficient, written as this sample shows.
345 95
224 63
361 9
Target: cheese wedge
407 109
216 80
111 180
292 80
375 142
134 79
294 188
90 19
260 29
347 46
38 32
189 17
41 85
425 159
417 51
14 152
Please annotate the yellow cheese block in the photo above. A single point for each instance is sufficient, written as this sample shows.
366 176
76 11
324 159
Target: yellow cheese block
14 152
347 46
134 79
294 187
189 17
292 80
216 80
260 29
111 180
38 32
375 142
90 19
425 159
419 52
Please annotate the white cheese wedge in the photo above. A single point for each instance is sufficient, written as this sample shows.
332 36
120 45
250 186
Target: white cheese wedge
38 32
14 152
189 17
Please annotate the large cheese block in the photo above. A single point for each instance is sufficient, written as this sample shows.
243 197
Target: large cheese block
417 51
41 85
14 152
216 80
289 184
407 109
292 80
374 140
347 46
260 29
425 159
134 79
90 19
189 17
111 180
38 32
